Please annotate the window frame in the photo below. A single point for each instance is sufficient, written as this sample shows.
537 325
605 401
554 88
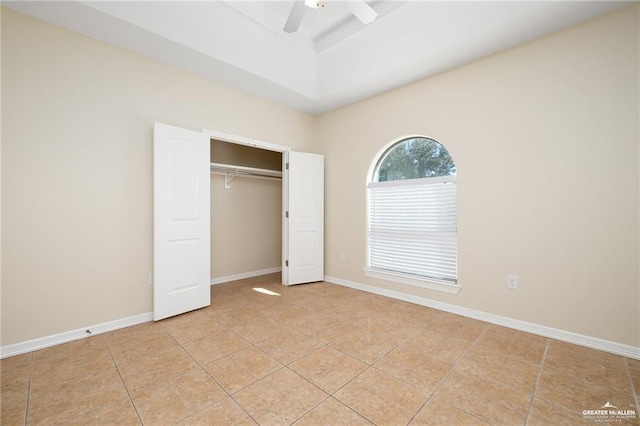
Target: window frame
394 276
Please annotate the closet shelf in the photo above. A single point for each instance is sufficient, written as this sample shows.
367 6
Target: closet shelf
230 171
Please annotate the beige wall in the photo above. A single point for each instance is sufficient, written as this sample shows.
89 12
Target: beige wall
545 137
246 219
77 170
246 225
241 155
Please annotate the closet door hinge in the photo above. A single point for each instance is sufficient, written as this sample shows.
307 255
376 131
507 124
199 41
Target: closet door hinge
286 263
286 214
287 166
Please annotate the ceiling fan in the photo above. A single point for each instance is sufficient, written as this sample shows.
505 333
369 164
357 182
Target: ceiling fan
359 8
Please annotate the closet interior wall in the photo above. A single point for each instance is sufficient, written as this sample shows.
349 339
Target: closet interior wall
246 218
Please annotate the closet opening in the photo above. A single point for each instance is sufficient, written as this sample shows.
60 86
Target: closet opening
246 211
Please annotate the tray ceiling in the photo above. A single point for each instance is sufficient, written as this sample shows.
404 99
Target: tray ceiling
333 59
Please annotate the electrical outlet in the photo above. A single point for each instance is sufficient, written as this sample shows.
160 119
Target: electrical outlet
343 256
512 282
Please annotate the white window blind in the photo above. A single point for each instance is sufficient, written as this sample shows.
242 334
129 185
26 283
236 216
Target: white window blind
413 227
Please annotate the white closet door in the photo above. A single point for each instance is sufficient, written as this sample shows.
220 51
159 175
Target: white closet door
305 228
181 222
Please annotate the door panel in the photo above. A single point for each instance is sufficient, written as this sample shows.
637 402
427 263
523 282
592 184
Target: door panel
181 221
305 233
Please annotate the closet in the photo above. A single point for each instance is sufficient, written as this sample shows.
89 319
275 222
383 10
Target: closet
246 211
222 218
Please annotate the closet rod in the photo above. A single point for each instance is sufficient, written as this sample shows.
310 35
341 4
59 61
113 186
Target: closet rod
244 170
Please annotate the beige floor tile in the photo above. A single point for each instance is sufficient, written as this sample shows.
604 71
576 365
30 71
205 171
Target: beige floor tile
293 315
214 346
76 349
331 412
545 413
328 335
15 383
445 347
155 367
365 346
415 366
78 358
382 399
224 413
279 399
635 378
576 394
589 365
242 368
354 306
277 308
616 379
360 311
17 363
394 330
327 327
13 412
633 364
439 413
328 368
251 296
53 399
177 398
131 342
489 401
495 366
119 412
315 303
415 315
222 307
260 329
526 346
190 326
15 374
459 327
289 346
581 354
237 317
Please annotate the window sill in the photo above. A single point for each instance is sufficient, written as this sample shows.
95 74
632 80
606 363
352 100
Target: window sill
430 284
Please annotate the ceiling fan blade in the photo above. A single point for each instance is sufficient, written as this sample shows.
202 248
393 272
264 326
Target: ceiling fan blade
295 17
362 10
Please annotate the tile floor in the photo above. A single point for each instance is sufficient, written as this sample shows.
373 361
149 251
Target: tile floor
316 354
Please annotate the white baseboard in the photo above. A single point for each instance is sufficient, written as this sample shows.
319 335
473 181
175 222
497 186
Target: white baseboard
244 275
554 333
69 336
81 333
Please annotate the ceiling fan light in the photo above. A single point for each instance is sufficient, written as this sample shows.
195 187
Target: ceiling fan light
363 11
313 4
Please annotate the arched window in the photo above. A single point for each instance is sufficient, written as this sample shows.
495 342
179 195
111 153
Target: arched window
412 218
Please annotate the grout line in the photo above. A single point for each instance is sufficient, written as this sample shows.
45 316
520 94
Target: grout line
453 367
230 395
122 381
633 388
26 409
173 377
535 388
328 395
294 299
204 370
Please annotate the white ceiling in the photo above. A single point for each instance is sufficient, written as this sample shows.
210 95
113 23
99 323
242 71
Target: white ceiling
333 60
